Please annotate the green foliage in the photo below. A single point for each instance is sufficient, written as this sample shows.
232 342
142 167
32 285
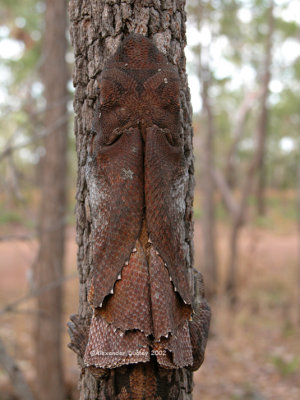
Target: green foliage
287 28
25 21
10 217
285 366
238 31
23 105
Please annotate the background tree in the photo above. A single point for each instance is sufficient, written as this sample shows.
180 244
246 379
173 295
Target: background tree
209 263
263 123
52 219
236 49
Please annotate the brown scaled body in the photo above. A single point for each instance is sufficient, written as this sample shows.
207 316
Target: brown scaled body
136 176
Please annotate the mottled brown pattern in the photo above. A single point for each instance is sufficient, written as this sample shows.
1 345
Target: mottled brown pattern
176 350
168 310
146 382
109 347
137 180
115 180
142 384
164 187
97 28
129 307
199 326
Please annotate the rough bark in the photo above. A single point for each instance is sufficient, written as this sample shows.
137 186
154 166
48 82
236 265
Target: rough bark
50 382
18 381
97 27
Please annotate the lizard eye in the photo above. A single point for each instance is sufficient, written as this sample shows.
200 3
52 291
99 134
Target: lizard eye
113 138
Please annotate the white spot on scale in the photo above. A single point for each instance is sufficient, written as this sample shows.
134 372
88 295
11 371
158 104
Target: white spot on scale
165 80
126 174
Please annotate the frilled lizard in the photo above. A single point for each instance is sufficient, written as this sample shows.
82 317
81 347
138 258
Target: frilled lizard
140 293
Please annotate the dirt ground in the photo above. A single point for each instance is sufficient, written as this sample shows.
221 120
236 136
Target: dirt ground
253 351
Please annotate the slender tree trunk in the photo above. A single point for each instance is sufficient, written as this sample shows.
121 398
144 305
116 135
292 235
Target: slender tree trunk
261 183
260 192
208 219
298 280
50 380
209 263
97 27
239 215
231 282
254 168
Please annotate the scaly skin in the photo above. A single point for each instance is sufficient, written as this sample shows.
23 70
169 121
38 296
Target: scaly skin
143 311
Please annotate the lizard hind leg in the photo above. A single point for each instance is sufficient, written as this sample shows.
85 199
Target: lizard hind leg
170 315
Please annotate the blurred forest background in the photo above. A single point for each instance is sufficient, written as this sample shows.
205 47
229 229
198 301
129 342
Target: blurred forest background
243 61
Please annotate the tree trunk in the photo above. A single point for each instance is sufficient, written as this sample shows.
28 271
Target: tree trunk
231 283
209 263
97 27
298 200
261 183
50 381
254 168
260 190
208 219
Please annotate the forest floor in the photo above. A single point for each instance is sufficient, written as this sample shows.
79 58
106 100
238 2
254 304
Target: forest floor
253 352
